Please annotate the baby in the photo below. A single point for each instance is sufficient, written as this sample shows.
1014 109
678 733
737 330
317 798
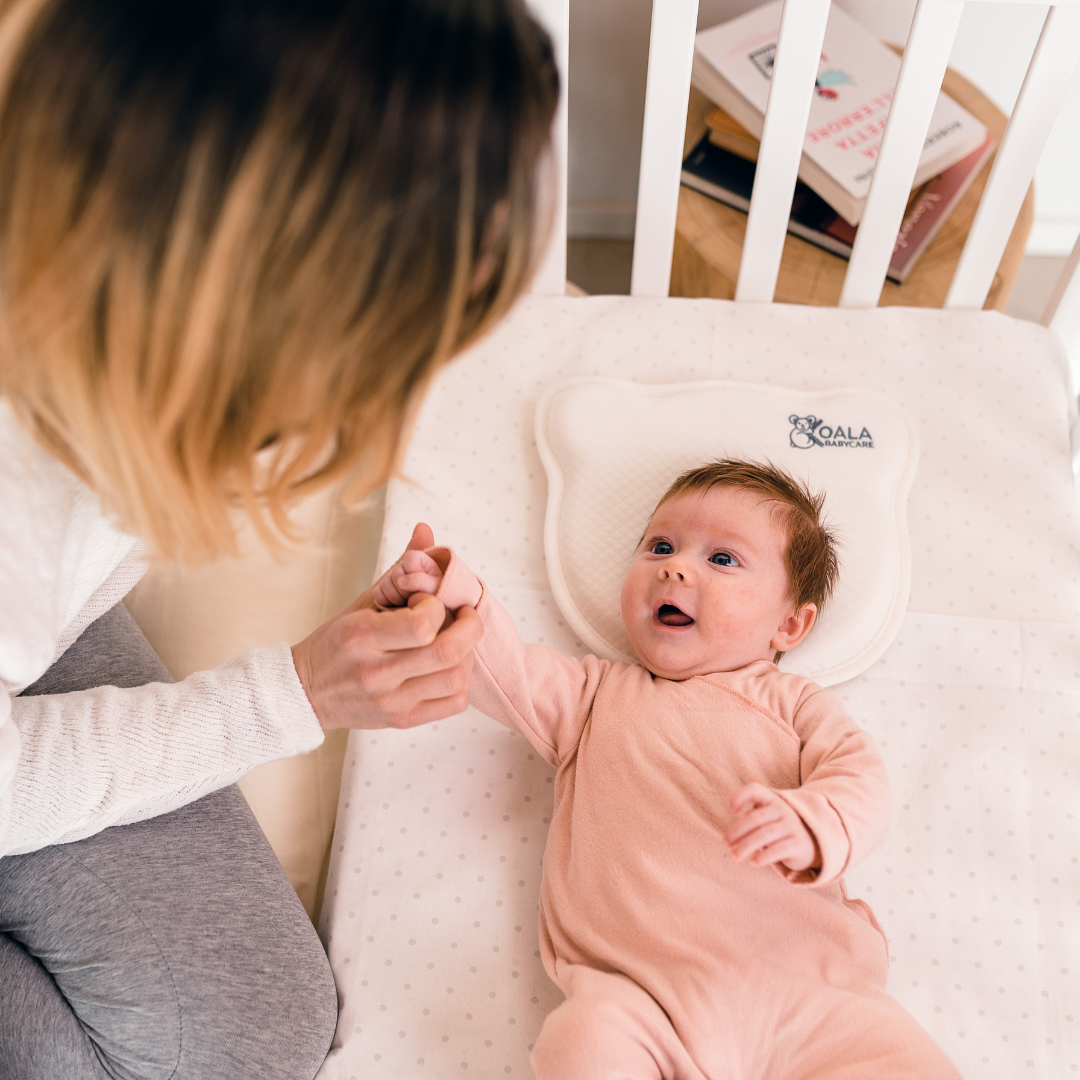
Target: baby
706 805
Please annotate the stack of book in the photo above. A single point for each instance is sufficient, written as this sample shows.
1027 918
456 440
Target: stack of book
856 76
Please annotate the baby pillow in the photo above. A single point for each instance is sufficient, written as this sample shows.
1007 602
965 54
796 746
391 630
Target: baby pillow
611 448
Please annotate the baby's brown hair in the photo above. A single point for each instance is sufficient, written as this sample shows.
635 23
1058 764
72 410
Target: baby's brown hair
810 554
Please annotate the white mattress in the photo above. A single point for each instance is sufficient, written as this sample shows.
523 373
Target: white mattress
975 705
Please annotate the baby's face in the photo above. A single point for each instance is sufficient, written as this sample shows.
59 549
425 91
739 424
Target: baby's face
708 590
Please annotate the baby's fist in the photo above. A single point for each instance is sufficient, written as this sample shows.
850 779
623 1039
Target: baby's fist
415 572
771 832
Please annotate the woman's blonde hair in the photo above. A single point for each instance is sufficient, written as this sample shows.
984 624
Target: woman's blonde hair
229 226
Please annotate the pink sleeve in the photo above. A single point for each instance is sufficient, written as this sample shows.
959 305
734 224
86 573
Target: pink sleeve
844 795
534 690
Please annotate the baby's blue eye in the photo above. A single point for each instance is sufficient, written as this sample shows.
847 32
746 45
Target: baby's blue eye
722 558
662 547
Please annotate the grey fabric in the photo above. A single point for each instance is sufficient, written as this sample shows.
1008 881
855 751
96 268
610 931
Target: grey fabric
110 652
172 949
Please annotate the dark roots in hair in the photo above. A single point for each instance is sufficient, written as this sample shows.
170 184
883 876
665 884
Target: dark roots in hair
234 224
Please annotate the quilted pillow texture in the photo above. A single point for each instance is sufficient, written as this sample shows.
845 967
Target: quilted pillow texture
611 448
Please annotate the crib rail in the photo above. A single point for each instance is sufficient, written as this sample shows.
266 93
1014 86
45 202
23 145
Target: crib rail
921 73
922 70
671 55
1047 79
802 28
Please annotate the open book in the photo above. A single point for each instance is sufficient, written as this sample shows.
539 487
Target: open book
856 75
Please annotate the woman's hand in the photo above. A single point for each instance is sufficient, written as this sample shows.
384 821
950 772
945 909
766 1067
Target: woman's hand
368 668
771 832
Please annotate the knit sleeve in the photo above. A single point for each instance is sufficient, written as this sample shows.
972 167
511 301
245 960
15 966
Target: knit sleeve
74 764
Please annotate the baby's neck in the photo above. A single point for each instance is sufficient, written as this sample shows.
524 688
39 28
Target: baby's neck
718 669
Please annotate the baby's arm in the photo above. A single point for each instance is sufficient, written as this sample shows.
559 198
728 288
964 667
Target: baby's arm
534 690
541 693
844 796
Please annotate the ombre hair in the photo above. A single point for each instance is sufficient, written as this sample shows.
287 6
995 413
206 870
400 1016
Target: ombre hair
233 226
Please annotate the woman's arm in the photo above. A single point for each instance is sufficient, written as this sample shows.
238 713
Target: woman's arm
73 764
110 756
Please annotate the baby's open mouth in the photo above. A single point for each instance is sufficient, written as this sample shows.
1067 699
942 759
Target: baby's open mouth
670 615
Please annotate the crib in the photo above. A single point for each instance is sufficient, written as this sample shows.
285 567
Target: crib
425 890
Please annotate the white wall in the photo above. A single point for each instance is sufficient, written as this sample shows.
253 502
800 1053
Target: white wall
608 56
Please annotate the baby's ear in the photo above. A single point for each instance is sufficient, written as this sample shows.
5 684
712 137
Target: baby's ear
794 628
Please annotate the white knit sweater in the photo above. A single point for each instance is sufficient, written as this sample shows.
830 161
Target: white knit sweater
73 764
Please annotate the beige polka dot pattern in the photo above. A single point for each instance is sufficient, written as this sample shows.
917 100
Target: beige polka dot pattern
978 883
430 916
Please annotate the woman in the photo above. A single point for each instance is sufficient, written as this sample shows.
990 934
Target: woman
237 239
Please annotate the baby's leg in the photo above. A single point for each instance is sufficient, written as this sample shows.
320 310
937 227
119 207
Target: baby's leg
608 1028
871 1036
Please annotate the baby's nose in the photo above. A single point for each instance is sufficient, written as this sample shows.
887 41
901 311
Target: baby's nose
672 569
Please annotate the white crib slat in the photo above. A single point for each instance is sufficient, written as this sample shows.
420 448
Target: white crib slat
1047 79
798 50
550 278
671 56
925 59
1062 313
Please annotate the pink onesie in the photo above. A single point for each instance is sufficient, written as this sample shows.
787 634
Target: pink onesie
678 962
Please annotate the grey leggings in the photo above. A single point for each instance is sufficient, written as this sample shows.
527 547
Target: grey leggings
172 949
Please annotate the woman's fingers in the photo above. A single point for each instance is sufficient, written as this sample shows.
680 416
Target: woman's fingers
394 692
428 711
411 698
365 669
441 652
422 537
373 633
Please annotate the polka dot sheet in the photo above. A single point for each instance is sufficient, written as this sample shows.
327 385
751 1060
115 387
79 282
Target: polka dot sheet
978 884
975 706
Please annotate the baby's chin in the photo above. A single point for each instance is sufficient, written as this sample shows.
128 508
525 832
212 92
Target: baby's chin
669 665
678 662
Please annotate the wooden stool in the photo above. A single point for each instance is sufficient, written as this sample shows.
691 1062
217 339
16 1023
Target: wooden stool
709 236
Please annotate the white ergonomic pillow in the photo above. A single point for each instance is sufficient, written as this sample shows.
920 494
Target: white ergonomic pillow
611 448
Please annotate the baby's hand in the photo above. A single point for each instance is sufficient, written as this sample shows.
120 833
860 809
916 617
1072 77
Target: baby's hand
771 833
415 572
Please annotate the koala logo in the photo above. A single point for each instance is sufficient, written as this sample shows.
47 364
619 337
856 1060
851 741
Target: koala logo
802 435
